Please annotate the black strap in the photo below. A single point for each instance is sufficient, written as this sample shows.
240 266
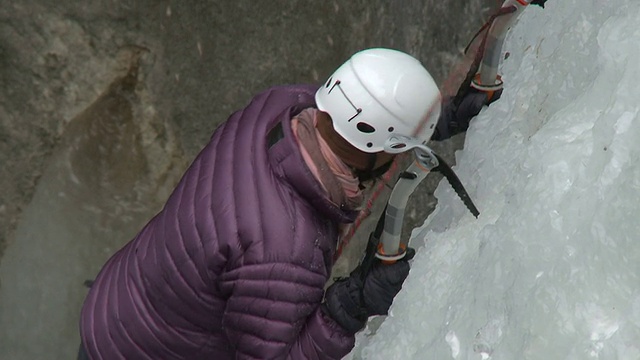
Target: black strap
275 135
371 161
365 175
372 246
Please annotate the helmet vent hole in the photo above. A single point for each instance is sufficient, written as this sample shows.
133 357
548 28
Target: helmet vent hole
329 82
369 144
398 146
365 128
390 129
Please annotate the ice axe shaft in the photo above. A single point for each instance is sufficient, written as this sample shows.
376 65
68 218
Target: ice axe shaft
391 246
488 79
390 241
483 73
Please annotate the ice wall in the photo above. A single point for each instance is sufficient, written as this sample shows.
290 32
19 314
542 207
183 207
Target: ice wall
551 269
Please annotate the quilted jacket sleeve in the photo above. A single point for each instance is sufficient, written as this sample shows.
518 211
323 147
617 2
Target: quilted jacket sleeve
273 312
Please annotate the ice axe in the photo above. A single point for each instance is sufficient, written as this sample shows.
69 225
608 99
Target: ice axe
483 73
385 241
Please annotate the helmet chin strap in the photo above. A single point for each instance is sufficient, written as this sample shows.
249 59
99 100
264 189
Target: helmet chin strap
371 172
371 161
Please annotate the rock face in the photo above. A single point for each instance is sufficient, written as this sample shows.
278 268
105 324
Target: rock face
102 107
96 190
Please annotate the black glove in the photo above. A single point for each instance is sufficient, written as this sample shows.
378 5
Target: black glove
350 301
455 119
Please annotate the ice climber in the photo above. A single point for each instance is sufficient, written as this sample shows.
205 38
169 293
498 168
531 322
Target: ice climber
235 264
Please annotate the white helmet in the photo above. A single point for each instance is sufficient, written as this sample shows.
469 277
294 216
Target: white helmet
378 92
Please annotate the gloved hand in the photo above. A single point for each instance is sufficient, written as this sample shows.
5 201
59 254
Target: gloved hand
455 119
350 301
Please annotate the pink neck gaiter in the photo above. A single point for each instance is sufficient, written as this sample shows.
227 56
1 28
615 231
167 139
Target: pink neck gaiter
325 165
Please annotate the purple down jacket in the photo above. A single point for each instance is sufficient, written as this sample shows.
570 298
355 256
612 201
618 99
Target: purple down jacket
235 263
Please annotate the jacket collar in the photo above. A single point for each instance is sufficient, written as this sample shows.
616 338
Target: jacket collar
289 165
